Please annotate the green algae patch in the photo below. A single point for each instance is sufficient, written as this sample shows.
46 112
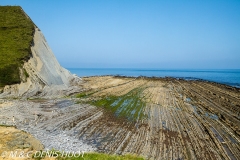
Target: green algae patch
81 95
129 106
16 30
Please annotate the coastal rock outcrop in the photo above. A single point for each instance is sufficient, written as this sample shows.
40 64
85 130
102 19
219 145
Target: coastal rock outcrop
42 75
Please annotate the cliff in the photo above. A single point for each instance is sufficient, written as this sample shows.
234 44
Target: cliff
40 74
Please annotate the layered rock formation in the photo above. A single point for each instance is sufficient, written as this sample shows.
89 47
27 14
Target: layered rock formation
157 118
42 75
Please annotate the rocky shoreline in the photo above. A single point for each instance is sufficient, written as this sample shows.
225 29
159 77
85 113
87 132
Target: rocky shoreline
152 117
30 118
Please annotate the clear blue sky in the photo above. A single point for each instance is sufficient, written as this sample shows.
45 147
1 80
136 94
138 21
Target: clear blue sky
202 34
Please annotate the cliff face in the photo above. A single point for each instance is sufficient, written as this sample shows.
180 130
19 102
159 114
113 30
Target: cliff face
45 76
42 75
44 65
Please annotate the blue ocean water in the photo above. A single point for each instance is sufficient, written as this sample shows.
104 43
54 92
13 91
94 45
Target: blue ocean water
225 76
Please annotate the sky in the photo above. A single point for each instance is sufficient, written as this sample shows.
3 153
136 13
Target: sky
173 34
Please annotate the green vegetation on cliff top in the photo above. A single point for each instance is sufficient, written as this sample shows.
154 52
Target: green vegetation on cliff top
16 37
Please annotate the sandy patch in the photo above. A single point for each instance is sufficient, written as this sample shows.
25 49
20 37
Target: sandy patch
5 104
13 141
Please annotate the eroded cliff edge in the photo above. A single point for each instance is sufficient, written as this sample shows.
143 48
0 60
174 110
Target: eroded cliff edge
41 75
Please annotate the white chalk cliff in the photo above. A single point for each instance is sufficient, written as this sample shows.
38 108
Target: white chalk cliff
45 77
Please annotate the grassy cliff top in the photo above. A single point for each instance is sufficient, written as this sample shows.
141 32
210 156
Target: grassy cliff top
16 36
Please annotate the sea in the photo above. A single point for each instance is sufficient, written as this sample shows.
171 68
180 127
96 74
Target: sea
225 76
